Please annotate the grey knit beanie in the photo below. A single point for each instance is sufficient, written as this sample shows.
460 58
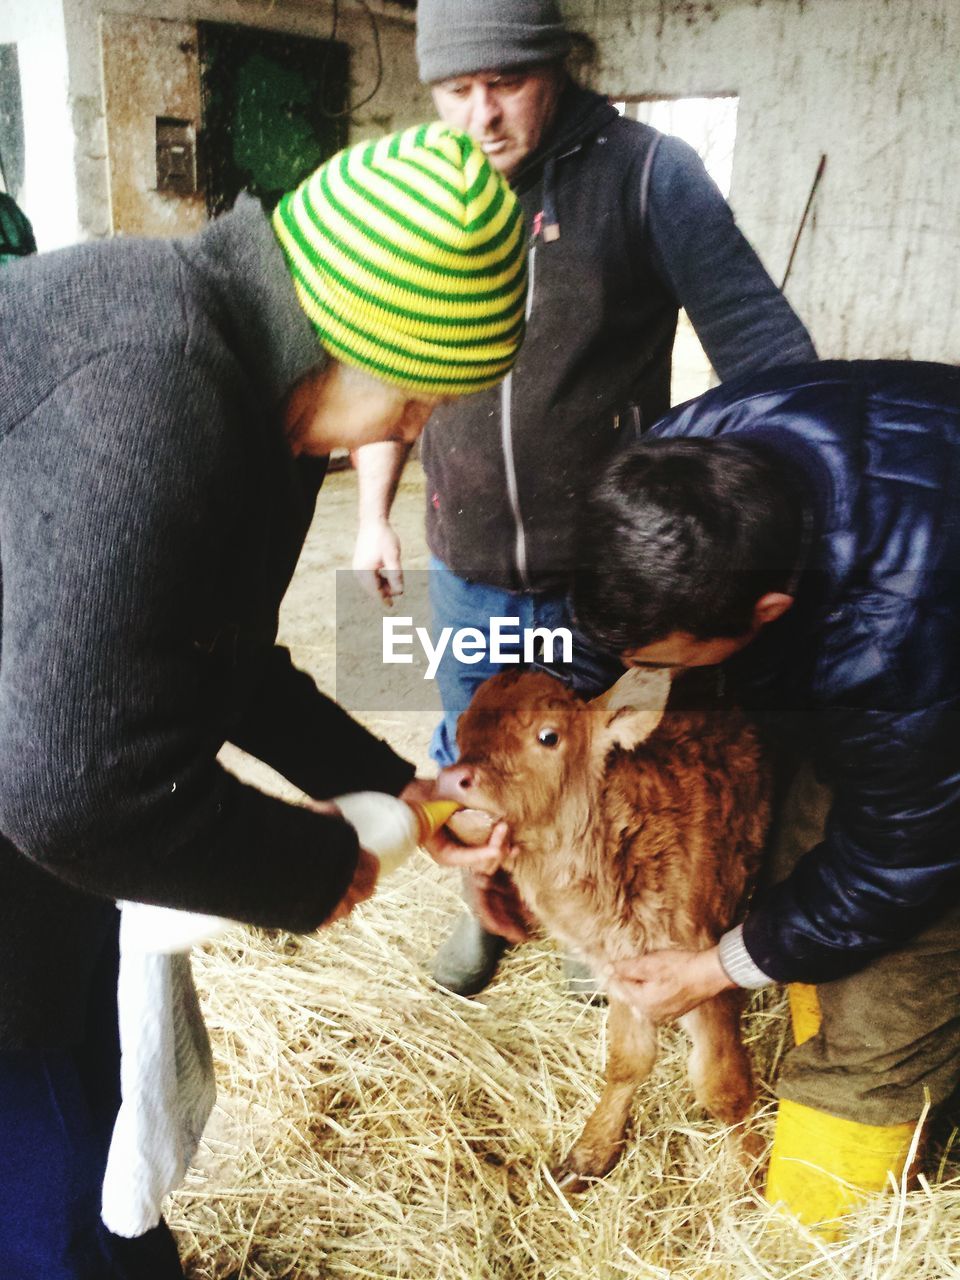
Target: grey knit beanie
461 37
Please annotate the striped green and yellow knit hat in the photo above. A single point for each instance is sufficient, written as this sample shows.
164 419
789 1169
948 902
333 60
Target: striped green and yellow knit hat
409 257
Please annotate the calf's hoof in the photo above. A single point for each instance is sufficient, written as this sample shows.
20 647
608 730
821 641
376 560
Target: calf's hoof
584 1164
747 1149
570 1182
581 983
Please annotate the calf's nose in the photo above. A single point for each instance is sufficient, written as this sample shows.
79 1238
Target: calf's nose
455 782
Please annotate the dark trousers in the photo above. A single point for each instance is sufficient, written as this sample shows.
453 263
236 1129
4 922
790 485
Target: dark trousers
57 1110
889 1034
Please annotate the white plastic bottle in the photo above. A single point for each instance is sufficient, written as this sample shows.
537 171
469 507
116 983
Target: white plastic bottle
392 828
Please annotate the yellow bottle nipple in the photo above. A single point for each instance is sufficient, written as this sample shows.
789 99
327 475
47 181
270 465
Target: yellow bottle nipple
431 815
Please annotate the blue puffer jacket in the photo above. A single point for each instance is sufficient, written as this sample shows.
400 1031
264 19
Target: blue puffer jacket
868 660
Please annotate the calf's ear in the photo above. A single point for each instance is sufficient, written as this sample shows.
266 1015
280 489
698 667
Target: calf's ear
627 714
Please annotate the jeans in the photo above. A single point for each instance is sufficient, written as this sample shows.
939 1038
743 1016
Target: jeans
57 1110
457 603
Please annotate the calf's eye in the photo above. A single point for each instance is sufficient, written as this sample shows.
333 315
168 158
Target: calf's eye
548 737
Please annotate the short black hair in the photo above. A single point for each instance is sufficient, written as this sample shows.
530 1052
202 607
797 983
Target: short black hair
684 535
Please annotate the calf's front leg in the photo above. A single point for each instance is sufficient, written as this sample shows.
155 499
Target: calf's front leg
631 1050
719 1065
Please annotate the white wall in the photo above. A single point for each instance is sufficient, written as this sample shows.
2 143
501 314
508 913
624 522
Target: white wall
875 84
49 195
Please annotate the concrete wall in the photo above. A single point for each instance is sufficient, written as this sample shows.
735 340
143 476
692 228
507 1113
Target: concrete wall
59 46
874 84
150 68
398 101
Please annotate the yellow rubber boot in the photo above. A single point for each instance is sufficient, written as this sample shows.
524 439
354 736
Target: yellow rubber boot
822 1166
804 1011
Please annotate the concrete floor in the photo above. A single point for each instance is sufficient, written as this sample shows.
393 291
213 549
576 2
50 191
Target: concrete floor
308 622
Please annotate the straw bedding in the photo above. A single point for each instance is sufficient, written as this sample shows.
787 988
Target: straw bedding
371 1126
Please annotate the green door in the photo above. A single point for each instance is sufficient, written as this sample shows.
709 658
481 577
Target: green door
273 108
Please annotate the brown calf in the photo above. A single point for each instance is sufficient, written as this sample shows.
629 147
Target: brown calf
636 831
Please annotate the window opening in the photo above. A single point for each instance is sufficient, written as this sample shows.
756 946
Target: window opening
709 125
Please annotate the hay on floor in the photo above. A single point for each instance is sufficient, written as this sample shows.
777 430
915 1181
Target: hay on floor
371 1126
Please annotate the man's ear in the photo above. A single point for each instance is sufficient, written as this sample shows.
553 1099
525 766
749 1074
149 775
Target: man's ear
627 714
770 607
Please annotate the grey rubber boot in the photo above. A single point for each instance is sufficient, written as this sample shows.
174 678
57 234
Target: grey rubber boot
467 961
581 982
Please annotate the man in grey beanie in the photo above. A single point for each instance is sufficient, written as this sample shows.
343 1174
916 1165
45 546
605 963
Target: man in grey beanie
625 229
456 39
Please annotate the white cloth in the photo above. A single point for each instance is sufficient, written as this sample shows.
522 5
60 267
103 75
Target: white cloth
167 1083
166 1066
165 930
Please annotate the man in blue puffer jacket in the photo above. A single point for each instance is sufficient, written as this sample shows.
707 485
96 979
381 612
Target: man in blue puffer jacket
802 527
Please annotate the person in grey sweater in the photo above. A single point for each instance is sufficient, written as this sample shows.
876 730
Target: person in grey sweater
166 411
626 228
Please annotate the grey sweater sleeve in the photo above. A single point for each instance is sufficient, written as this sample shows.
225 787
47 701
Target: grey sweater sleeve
740 316
123 504
312 741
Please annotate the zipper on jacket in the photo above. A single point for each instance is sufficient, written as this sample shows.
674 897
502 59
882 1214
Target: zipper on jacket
506 407
506 440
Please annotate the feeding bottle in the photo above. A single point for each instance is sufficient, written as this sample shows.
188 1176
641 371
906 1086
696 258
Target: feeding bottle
392 828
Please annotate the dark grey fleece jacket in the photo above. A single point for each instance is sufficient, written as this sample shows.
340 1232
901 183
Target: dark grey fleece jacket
151 516
643 231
